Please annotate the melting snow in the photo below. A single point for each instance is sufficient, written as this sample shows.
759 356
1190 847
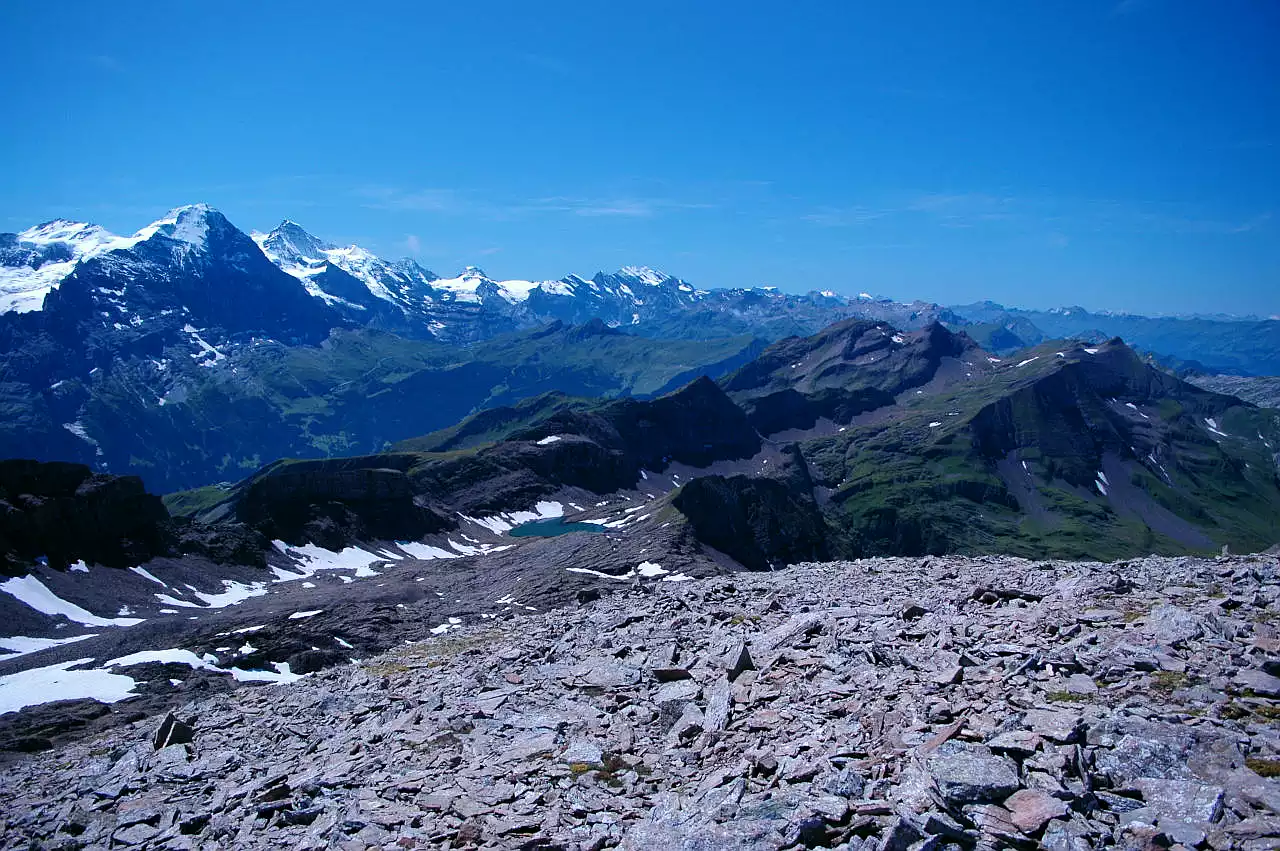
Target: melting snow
59 682
934 424
300 615
206 662
454 623
1029 360
311 559
500 523
33 592
591 572
142 571
21 645
649 569
425 552
234 594
547 441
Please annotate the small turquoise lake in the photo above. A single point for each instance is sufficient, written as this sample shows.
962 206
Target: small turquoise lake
551 528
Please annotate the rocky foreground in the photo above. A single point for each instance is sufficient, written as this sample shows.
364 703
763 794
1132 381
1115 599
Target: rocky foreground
886 703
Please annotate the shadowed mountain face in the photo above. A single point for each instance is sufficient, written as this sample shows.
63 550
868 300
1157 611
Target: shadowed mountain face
850 368
857 440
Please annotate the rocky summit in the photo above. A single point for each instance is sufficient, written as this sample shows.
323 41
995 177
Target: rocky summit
891 703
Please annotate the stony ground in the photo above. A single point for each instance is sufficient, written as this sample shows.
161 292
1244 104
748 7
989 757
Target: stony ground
887 704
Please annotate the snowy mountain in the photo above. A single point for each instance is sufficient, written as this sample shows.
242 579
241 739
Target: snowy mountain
34 262
352 285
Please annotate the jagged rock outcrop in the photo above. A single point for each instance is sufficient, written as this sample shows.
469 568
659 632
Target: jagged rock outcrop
65 513
334 501
760 523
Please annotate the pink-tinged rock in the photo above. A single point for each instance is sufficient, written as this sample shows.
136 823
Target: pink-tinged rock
1031 808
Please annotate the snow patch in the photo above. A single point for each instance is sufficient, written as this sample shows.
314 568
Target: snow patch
145 574
233 594
59 682
21 645
30 590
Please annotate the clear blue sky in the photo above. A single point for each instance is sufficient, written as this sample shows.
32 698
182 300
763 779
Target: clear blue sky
1120 154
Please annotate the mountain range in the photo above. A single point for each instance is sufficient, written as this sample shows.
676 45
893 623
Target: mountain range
193 352
529 470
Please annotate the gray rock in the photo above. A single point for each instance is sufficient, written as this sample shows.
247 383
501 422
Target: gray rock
1059 727
965 774
1182 800
172 732
1259 682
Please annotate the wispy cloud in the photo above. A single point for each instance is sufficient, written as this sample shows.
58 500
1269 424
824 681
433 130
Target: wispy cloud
104 62
412 245
626 207
836 217
422 200
1056 218
456 202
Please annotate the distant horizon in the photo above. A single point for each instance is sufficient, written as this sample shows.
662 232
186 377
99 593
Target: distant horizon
845 292
1123 155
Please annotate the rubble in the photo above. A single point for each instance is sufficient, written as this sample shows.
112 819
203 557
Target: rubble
880 704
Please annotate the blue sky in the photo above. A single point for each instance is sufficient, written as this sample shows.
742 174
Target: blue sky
1120 154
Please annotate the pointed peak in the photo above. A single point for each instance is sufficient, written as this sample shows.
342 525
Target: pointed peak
188 224
473 272
291 228
645 275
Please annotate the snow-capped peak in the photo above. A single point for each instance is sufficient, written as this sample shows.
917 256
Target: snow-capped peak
467 287
290 244
645 275
305 257
76 234
188 225
52 250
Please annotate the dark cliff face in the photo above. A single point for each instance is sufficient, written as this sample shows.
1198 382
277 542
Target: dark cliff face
65 512
333 502
760 523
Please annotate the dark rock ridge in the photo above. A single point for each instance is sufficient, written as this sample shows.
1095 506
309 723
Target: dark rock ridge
848 369
601 448
64 513
760 523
